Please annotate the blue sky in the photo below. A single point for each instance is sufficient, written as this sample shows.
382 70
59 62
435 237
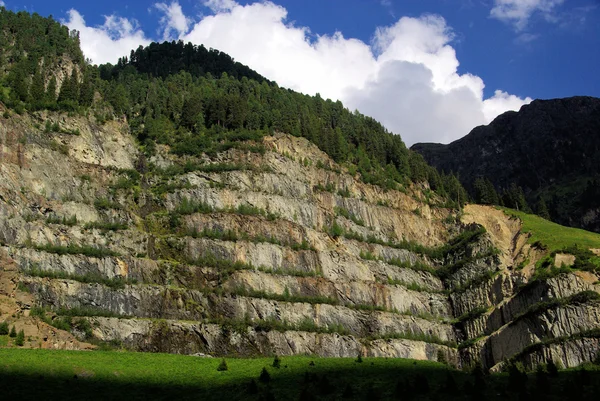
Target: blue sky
428 69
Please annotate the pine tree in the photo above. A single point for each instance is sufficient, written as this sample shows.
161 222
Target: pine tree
493 197
66 91
119 98
19 84
4 329
552 368
480 191
223 366
50 95
513 197
542 209
87 90
20 340
37 92
68 98
485 193
456 193
264 377
191 115
13 332
74 83
276 362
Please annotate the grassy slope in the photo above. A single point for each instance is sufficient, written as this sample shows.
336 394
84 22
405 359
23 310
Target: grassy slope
554 236
65 375
131 375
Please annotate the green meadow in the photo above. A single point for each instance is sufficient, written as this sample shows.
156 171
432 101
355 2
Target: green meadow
111 375
554 236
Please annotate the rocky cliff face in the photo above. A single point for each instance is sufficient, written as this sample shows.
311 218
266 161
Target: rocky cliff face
264 248
551 148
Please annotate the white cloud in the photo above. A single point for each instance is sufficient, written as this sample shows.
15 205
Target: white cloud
1 3
518 12
218 6
173 21
501 102
106 43
406 77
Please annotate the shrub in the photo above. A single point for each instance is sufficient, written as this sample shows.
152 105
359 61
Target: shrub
264 377
583 297
223 366
67 221
340 211
276 362
4 329
335 230
105 204
114 283
20 340
188 206
345 193
59 147
441 357
472 314
552 368
359 358
72 249
106 225
13 332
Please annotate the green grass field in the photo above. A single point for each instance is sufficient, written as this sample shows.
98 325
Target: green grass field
552 235
93 375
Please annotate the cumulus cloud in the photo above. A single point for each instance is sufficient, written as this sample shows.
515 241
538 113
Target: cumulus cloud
173 20
518 12
1 3
106 43
406 77
501 102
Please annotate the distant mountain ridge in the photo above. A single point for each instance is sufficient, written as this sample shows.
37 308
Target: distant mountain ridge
550 148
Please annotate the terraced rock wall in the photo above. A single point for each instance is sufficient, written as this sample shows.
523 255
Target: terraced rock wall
267 248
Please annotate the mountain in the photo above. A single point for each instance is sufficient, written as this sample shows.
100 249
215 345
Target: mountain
199 215
550 148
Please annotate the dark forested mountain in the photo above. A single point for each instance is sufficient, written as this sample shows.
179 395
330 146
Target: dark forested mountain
550 149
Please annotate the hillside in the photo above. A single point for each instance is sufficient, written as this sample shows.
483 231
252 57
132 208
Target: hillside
550 148
157 229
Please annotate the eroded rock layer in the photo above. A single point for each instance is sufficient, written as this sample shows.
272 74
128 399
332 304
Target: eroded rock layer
266 248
